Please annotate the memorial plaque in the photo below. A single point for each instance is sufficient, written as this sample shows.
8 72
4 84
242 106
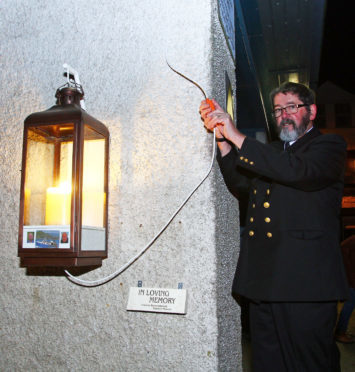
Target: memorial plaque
157 300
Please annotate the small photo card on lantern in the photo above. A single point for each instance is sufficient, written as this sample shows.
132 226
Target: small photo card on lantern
64 237
46 236
47 239
30 237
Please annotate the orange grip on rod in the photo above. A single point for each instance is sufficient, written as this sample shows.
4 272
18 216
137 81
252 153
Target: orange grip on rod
209 101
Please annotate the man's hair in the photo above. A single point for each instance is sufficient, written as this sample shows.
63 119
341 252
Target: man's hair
305 94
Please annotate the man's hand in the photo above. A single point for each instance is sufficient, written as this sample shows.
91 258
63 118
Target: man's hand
223 123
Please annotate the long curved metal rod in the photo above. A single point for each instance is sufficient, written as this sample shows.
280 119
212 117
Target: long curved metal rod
188 79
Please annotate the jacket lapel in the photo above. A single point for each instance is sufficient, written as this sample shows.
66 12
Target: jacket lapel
313 133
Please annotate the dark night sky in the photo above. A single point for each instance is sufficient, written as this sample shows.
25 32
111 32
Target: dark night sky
337 58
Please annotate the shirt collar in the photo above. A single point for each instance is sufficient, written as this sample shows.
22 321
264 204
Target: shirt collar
292 142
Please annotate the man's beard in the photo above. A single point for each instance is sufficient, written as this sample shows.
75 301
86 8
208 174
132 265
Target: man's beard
287 135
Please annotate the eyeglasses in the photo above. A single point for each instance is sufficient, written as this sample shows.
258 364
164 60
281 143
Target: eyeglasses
289 109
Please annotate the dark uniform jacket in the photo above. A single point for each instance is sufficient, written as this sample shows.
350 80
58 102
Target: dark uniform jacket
290 249
348 250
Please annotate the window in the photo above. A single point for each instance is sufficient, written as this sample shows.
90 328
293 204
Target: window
321 121
342 115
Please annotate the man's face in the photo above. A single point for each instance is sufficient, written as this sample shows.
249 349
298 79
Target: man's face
290 127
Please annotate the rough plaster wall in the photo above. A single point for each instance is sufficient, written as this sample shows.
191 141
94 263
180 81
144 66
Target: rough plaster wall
159 152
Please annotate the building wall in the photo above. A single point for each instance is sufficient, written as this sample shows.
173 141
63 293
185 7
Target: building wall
159 151
336 107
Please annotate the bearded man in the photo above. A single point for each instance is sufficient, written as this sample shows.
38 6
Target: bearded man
290 265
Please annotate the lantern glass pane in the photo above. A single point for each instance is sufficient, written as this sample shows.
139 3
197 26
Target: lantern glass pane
94 197
47 188
93 191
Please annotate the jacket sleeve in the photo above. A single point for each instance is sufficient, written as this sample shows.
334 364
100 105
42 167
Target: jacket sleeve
236 178
316 165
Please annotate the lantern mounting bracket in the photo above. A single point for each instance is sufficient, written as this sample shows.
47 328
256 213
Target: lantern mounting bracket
74 83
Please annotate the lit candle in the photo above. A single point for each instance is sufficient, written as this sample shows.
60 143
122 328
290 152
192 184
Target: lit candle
58 202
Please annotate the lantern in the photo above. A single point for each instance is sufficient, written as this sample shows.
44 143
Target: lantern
64 185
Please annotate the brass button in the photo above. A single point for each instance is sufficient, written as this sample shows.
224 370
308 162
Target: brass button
266 205
251 219
268 191
251 163
267 219
269 235
254 191
251 233
241 157
253 205
246 160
